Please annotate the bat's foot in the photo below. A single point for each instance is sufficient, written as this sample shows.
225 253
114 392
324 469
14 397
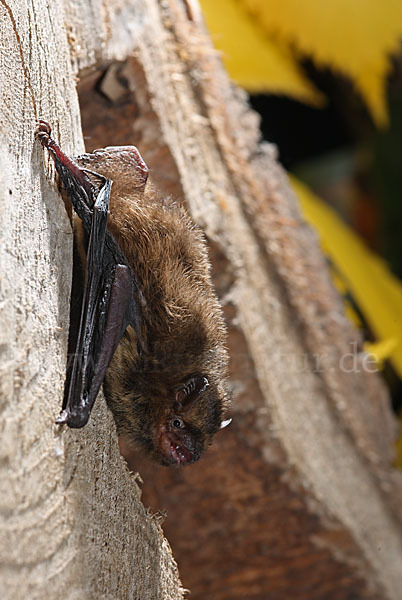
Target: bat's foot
43 132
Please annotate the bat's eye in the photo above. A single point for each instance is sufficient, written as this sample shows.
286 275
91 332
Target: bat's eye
178 423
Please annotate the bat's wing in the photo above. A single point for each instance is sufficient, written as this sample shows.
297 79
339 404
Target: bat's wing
110 300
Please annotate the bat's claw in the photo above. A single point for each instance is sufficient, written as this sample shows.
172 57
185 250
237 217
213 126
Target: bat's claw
62 419
43 132
44 126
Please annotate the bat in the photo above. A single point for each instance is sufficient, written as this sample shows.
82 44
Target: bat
151 328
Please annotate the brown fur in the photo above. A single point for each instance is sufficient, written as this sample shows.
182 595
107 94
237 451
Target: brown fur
183 331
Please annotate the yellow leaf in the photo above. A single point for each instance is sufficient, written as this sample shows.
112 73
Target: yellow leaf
355 37
342 288
377 292
382 350
251 58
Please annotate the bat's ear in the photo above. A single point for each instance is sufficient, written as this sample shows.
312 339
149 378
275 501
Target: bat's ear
187 393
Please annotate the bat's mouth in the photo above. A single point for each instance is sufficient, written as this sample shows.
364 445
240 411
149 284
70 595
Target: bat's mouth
180 454
173 451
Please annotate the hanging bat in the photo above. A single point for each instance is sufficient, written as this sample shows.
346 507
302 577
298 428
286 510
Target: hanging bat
151 328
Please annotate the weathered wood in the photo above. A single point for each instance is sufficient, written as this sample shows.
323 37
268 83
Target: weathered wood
297 499
71 520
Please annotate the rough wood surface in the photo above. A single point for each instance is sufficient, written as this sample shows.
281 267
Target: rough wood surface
297 499
71 520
